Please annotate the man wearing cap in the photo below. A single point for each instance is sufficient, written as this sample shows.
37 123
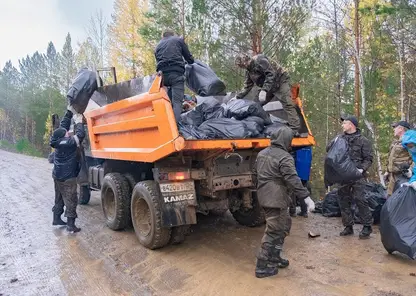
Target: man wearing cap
361 153
399 160
273 82
66 167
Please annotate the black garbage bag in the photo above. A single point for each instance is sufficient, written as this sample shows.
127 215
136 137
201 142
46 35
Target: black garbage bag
82 178
339 168
193 117
210 108
272 127
398 222
330 205
81 90
241 109
225 128
400 180
318 207
255 125
190 132
203 81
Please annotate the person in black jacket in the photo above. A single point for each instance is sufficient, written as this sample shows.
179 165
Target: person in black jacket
170 54
66 168
361 153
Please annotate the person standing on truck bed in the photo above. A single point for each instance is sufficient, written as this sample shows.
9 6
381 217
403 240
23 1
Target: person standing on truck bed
361 154
273 82
275 173
399 160
66 167
170 54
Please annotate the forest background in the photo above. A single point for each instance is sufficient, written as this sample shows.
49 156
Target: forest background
352 56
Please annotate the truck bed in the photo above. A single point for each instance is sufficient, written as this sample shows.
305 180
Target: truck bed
143 128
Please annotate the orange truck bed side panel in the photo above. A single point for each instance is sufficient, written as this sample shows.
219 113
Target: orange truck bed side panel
143 128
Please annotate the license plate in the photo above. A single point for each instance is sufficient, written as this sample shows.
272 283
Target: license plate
177 187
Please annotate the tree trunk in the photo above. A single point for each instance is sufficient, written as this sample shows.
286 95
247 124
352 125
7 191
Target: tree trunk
357 55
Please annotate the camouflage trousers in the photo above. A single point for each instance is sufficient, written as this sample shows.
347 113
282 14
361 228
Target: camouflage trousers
356 192
66 195
284 96
278 224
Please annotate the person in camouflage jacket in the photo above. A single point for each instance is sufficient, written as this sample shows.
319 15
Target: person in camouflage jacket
275 175
399 160
273 82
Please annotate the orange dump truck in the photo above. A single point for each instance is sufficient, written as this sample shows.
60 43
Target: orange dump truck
148 174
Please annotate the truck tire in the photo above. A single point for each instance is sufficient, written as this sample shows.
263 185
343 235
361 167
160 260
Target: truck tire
178 234
146 213
250 217
132 183
115 197
84 194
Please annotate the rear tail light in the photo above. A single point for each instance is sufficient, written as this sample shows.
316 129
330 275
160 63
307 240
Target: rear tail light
174 176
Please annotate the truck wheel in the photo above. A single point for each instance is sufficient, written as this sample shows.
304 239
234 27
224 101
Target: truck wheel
115 197
250 217
179 233
132 183
146 213
84 194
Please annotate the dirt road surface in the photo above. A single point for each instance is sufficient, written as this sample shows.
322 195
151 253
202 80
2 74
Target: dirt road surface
216 259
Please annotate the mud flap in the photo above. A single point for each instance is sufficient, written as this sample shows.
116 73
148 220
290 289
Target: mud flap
178 203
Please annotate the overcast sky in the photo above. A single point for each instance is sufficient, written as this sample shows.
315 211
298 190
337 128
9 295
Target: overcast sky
28 25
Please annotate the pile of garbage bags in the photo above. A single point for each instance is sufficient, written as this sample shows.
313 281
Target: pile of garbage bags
375 195
398 222
236 119
339 168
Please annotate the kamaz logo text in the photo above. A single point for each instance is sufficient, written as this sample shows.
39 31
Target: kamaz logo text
181 197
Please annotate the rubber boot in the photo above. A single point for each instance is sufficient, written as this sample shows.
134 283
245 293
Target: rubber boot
57 220
275 258
71 226
265 268
292 212
365 233
303 214
303 210
347 231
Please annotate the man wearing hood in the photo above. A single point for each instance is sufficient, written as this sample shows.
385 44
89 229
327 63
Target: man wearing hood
275 174
409 142
66 168
361 153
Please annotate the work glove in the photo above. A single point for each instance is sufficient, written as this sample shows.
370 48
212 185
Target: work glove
361 171
262 96
77 118
310 204
408 184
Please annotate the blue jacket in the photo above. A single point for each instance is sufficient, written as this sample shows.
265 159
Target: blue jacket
410 137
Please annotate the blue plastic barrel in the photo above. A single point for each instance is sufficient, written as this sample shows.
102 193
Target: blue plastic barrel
303 162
